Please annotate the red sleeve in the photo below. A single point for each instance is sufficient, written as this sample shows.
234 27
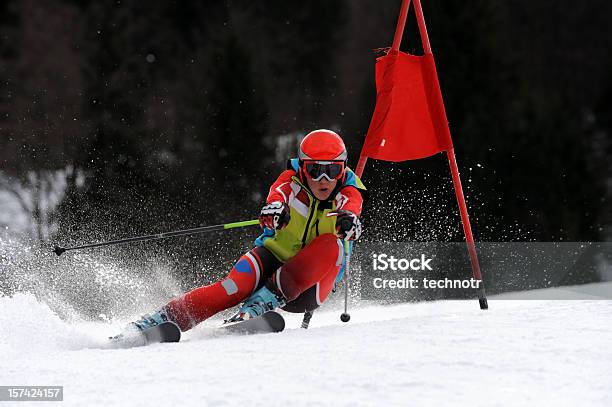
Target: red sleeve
280 190
349 199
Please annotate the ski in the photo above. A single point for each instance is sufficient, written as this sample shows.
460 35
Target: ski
164 332
168 331
267 323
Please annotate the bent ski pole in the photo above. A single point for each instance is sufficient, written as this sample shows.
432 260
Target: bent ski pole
345 317
59 250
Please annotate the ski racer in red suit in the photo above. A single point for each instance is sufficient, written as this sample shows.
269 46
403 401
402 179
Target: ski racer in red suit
314 204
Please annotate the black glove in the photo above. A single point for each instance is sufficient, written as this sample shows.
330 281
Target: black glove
275 215
348 225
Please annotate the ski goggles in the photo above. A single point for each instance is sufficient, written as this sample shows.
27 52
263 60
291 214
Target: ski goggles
316 170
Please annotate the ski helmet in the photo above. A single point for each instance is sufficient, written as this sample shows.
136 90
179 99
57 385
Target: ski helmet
322 145
322 154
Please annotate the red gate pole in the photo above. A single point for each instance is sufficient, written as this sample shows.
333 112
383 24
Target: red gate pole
361 165
465 219
397 39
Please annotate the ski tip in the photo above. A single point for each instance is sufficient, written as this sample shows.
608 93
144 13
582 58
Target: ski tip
130 337
275 319
164 332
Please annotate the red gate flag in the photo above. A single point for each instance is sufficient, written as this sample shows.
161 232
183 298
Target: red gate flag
409 121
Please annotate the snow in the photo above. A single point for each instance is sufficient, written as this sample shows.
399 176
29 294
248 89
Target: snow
519 352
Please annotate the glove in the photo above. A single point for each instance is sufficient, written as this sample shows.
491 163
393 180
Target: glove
275 215
348 225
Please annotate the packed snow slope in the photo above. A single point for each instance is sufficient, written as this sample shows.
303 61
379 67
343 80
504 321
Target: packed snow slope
519 352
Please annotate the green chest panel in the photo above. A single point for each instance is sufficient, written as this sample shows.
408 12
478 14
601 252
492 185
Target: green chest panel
307 222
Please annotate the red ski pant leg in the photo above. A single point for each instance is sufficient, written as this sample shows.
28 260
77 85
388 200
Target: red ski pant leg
316 265
197 305
313 297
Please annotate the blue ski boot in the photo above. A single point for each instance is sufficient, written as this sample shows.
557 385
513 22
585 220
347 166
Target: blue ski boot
153 328
149 321
261 301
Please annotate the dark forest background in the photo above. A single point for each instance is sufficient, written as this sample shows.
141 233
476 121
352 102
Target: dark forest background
123 117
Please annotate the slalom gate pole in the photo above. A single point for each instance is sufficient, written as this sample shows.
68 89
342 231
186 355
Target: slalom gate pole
465 219
467 229
59 250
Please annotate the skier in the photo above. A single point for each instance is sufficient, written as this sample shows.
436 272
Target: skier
313 205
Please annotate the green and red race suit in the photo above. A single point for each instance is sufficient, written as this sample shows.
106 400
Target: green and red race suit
308 214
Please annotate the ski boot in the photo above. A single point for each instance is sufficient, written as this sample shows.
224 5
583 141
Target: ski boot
151 328
261 301
149 321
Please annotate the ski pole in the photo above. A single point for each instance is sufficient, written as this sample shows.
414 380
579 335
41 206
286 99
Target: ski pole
306 319
345 317
59 250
